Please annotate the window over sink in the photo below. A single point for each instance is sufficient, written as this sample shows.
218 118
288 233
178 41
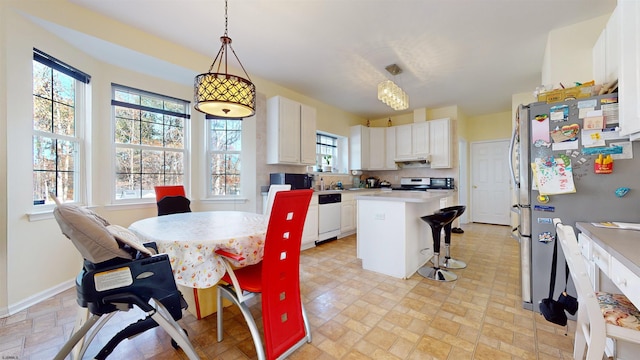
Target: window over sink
331 153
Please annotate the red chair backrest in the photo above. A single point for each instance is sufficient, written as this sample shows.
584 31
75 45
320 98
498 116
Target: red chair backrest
281 305
169 190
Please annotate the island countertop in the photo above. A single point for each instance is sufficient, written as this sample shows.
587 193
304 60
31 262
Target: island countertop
406 196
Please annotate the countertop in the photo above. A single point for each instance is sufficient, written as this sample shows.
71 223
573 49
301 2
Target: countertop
406 196
621 244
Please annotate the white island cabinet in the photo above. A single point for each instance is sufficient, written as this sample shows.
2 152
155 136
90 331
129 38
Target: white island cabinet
391 237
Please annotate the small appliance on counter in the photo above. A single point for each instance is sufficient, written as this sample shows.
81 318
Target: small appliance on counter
426 183
297 181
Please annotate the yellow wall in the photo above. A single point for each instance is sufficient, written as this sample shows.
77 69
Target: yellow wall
489 127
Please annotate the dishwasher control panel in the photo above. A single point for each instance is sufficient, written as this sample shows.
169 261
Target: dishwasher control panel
329 198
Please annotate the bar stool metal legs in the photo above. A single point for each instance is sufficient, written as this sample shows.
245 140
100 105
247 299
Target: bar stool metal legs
448 262
437 221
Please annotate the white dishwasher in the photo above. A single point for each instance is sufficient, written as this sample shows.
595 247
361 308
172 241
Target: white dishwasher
328 216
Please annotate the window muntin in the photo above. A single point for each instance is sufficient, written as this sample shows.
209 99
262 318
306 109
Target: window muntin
149 135
58 112
224 148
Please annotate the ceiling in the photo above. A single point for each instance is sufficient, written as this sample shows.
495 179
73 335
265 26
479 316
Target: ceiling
470 53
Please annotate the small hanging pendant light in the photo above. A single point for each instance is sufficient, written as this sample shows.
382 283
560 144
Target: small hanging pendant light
221 94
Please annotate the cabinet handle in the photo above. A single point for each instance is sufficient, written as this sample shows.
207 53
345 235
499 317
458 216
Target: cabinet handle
622 282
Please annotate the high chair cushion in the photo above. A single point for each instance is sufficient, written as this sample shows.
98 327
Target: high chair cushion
88 232
618 310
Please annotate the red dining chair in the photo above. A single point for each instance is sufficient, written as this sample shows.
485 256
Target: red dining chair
171 199
276 277
169 190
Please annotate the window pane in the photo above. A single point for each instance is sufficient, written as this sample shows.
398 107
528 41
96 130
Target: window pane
44 153
44 182
63 88
174 137
42 80
42 115
127 113
127 97
128 186
152 117
234 140
152 162
63 119
151 134
174 163
66 155
148 183
152 102
127 161
65 186
127 131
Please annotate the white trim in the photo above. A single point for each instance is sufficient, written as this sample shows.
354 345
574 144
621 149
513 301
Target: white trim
37 298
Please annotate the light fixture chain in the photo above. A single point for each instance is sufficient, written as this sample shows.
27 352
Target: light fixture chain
226 18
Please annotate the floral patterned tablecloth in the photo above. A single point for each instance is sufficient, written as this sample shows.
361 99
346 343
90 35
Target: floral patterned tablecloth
190 240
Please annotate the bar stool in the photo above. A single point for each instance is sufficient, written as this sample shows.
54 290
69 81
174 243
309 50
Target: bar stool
437 221
447 261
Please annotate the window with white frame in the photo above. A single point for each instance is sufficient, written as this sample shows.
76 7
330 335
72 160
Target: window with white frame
149 139
59 92
224 148
326 150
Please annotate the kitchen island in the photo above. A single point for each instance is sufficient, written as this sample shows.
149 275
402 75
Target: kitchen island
391 238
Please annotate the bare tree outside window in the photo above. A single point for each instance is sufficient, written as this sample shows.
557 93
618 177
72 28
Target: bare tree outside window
224 147
149 135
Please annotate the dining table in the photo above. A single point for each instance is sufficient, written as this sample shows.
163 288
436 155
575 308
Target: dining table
191 239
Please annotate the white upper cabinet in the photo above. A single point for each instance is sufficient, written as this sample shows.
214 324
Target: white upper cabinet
359 147
440 143
307 135
291 132
628 12
377 148
420 140
403 142
412 141
390 142
606 51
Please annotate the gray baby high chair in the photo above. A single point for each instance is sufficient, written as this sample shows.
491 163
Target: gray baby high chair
119 273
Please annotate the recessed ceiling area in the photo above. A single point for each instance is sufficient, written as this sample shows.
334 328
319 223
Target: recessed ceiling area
470 53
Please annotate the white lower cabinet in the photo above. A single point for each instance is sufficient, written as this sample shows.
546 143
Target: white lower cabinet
347 215
310 232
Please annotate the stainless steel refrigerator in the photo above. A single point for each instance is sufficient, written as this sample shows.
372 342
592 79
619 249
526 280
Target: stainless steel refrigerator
544 132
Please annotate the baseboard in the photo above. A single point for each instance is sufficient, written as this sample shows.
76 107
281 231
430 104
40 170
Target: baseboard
34 299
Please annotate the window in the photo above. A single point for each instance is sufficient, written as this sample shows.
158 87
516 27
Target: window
149 135
58 115
224 146
326 149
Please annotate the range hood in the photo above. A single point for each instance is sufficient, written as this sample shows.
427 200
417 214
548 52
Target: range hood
413 163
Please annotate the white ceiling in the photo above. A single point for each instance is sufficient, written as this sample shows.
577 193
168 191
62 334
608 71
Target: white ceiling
470 53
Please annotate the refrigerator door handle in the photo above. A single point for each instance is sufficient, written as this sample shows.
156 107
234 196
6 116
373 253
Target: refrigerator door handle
512 145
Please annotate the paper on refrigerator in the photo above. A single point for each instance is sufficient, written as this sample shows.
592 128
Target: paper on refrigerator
553 176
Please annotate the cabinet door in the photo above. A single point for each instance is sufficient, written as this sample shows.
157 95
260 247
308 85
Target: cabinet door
629 83
403 141
347 217
359 147
283 131
440 143
377 148
420 140
390 142
307 135
310 230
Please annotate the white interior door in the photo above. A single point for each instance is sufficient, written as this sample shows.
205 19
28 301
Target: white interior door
490 194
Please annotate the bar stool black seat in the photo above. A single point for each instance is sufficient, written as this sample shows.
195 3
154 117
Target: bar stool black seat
437 221
447 261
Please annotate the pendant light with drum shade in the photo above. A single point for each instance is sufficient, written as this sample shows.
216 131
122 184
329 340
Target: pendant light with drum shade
221 94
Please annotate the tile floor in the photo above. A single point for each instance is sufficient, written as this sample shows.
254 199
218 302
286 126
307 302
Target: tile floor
354 314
